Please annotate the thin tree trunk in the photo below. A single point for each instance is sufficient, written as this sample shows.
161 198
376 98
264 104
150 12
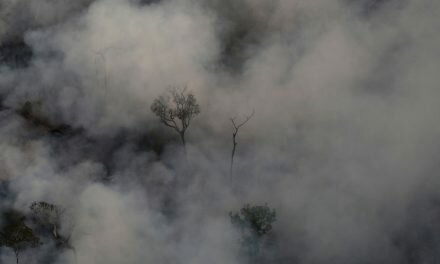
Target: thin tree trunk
55 231
236 127
182 137
16 255
234 145
74 255
232 162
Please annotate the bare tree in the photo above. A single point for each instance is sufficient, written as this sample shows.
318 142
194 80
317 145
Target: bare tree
176 110
102 55
236 127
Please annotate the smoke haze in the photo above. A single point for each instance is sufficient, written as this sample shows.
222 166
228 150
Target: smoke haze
344 143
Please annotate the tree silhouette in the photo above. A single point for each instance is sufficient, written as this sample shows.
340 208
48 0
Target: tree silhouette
176 110
254 222
236 126
15 234
48 217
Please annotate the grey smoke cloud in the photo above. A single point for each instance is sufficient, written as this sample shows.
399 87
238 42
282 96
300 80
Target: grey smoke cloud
343 143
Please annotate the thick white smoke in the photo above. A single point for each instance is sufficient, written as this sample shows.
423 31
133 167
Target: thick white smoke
343 143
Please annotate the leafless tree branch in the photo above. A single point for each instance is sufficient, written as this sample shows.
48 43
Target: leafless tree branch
236 128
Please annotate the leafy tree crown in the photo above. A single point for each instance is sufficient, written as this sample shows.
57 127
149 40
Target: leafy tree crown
15 233
256 219
178 105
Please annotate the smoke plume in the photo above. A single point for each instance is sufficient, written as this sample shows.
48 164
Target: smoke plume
343 142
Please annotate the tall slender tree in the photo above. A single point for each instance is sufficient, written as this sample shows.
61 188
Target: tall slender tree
235 128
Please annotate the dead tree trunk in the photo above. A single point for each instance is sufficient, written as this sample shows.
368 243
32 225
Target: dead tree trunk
182 137
236 127
234 146
16 254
